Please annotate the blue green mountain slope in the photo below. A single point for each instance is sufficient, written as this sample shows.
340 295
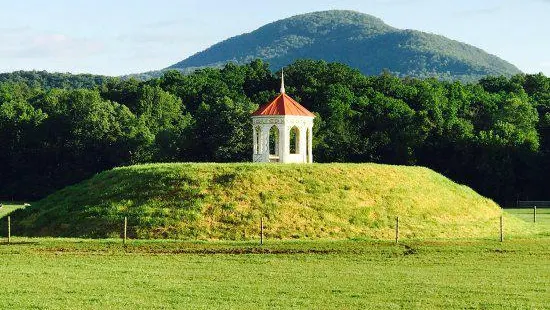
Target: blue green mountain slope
359 40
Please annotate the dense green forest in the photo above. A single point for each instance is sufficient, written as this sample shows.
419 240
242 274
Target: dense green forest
359 40
44 79
493 135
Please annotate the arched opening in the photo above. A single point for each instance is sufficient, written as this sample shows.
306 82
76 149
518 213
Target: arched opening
274 143
308 146
257 144
294 140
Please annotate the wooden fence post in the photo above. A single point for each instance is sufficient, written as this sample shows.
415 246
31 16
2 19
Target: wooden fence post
397 229
535 214
125 229
501 228
9 229
261 230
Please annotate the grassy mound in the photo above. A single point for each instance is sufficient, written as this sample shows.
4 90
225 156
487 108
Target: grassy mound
9 207
226 201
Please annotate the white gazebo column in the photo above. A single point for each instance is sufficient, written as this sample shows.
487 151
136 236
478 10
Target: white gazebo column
310 144
260 139
283 143
303 143
255 146
265 142
276 149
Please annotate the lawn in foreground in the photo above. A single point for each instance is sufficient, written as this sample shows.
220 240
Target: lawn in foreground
86 274
527 214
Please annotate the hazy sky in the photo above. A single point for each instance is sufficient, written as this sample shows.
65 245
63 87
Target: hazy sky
116 37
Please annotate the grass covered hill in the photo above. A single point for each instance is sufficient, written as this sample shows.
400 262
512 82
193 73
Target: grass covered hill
359 40
226 201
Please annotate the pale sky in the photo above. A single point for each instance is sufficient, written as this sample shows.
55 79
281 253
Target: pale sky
116 37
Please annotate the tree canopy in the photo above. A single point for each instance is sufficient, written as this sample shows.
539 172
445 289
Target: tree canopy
493 135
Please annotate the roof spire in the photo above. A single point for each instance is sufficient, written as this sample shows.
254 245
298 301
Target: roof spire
282 81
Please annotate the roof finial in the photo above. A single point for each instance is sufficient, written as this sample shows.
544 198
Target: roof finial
282 81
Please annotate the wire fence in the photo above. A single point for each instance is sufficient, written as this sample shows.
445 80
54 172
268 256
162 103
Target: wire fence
497 227
535 214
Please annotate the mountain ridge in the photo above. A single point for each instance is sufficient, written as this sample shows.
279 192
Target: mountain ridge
360 40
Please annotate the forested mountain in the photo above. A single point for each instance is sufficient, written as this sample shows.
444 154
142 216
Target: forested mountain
358 40
493 135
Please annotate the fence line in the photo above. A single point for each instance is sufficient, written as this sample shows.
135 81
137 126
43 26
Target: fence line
497 221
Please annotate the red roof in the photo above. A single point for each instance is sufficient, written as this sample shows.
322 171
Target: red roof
283 105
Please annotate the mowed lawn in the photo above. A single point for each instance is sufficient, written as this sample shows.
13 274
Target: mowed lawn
527 214
9 207
94 274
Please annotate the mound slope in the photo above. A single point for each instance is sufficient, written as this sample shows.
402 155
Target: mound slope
226 201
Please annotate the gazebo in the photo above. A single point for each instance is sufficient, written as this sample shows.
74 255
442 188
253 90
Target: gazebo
282 131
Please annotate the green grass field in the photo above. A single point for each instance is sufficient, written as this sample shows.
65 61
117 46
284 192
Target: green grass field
9 207
421 272
526 214
101 274
542 224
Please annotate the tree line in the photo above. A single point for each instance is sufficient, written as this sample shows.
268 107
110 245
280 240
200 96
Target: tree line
492 135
